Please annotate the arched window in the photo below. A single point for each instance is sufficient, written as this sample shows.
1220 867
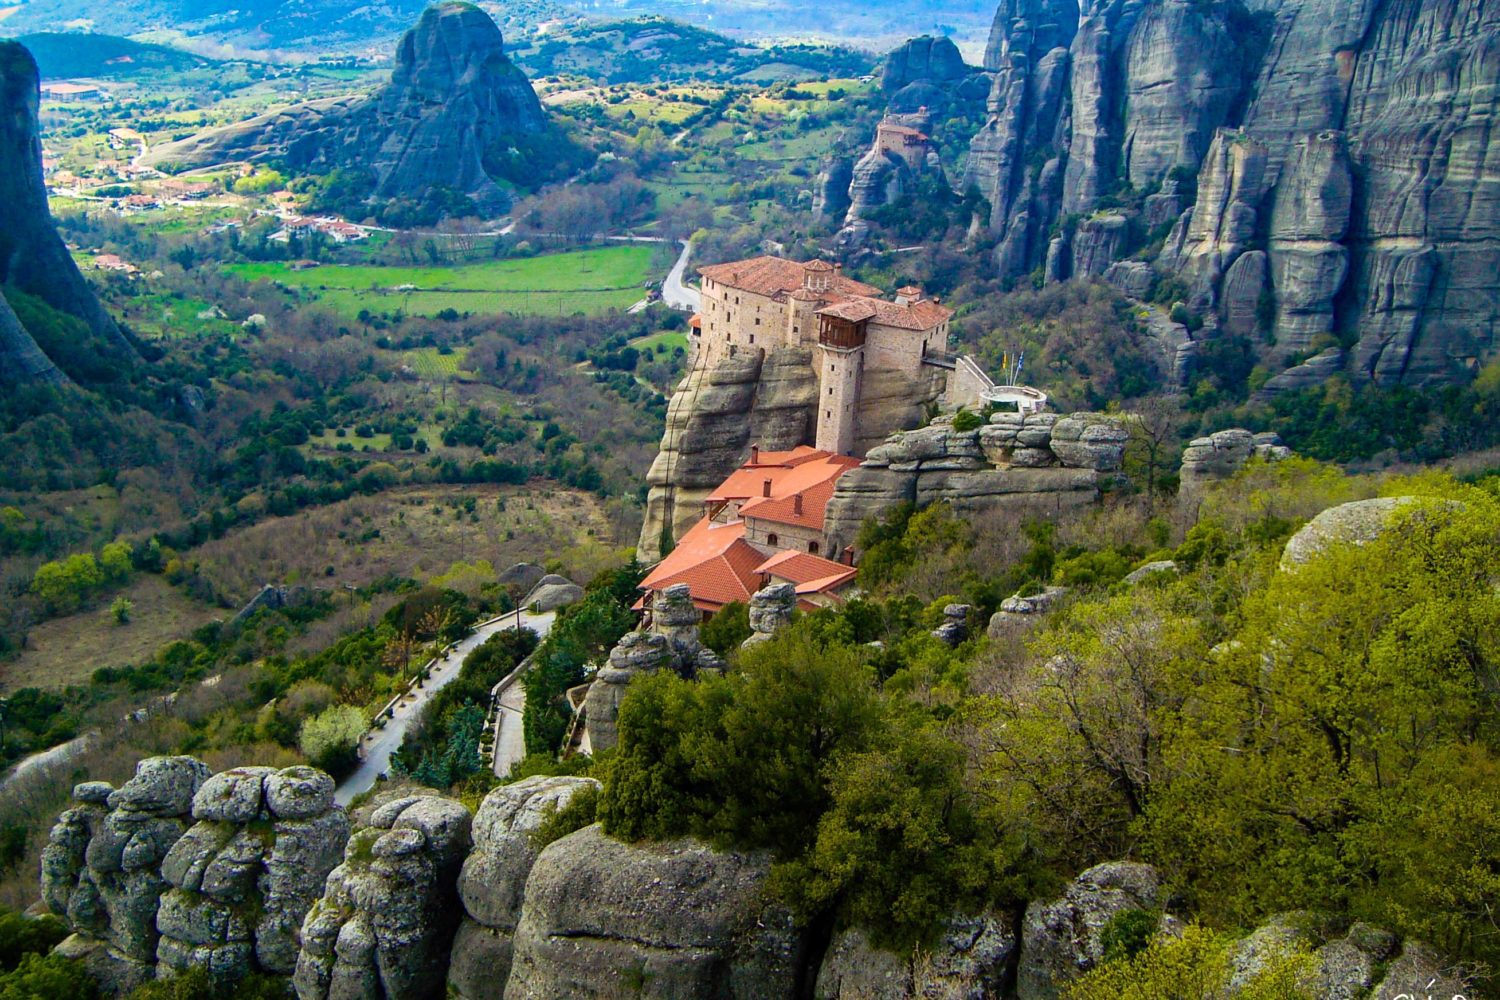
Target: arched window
812 547
772 540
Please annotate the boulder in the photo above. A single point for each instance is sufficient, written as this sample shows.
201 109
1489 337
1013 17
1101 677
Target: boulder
552 593
524 577
1018 610
669 920
1150 571
1355 523
1214 458
1090 441
1061 939
954 631
492 882
386 920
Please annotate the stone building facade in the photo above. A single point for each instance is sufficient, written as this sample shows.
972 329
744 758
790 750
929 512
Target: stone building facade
758 305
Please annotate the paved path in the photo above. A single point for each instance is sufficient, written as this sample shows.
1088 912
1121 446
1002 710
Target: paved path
676 294
378 745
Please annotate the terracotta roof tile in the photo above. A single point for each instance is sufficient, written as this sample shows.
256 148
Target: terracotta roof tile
810 574
923 315
772 276
716 563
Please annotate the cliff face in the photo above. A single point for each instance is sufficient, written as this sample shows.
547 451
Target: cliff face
32 255
718 413
1339 150
450 116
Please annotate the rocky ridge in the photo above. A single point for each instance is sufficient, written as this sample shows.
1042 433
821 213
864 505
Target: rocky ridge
451 117
1034 464
428 899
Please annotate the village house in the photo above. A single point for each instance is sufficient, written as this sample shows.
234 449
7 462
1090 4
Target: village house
71 92
763 525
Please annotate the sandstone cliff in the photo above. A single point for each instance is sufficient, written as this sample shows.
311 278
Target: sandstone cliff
1323 167
451 116
32 255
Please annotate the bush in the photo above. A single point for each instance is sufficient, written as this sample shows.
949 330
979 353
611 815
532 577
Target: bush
48 977
724 632
1195 966
330 740
21 936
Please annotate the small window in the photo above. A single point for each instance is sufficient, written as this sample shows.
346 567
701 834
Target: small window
828 414
772 540
752 338
830 390
833 368
812 548
757 320
796 329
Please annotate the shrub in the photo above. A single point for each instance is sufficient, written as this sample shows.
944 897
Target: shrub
330 740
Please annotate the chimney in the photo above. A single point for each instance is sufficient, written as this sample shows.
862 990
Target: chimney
848 555
755 454
797 505
765 489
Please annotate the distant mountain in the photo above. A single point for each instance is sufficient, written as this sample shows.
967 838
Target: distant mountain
654 49
77 54
457 118
244 24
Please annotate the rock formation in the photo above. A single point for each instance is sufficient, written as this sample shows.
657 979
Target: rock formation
1354 523
669 920
452 116
1035 464
970 962
900 154
925 72
385 922
244 876
1344 144
492 883
771 610
1220 455
553 592
102 869
1061 939
33 257
670 643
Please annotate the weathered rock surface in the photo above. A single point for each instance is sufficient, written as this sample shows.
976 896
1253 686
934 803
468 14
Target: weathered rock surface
602 918
713 418
492 883
1355 523
771 610
924 72
1222 454
386 920
33 258
970 962
553 592
102 866
1036 464
670 642
453 114
1060 940
1017 610
1348 141
244 876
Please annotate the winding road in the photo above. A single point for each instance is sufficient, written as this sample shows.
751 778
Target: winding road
676 294
378 744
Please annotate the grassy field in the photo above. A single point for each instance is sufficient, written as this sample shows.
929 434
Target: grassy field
672 339
68 650
432 364
580 281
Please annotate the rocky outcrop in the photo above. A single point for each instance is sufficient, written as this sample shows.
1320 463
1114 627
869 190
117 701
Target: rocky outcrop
492 883
1036 465
33 257
274 597
891 167
969 962
771 610
714 416
386 920
670 643
954 631
1061 939
1309 261
926 72
245 874
1021 610
453 116
1219 456
668 920
102 868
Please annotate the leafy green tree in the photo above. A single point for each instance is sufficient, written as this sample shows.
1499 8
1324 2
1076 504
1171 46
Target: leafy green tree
120 609
22 935
1194 965
724 632
330 740
47 977
66 583
115 561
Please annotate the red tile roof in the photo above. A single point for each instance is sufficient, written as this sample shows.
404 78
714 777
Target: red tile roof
810 574
923 315
772 276
808 474
716 563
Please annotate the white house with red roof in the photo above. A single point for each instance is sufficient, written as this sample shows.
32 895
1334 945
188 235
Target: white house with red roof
763 525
